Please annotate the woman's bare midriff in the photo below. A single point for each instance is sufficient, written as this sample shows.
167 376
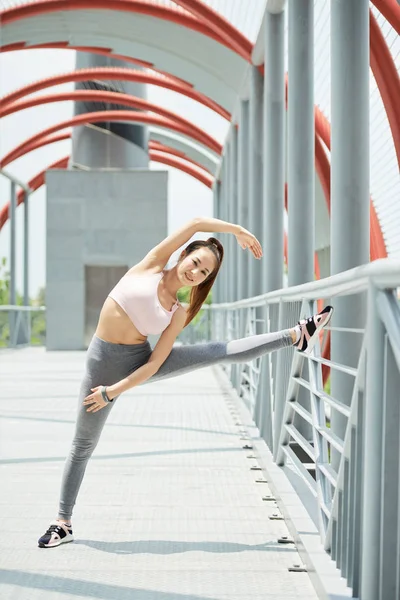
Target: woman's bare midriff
115 326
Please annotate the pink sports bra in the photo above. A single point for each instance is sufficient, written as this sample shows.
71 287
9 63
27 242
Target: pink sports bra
137 295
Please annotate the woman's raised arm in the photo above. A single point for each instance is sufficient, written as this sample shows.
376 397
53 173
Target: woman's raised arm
160 254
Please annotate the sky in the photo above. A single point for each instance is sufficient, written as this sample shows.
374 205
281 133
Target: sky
187 196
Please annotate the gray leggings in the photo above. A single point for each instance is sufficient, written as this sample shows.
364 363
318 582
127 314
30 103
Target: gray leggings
107 363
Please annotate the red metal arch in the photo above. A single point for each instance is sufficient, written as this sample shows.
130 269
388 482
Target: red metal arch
114 98
210 29
114 116
144 7
220 25
159 154
387 79
390 10
119 74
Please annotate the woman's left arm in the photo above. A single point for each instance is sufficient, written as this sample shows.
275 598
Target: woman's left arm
160 353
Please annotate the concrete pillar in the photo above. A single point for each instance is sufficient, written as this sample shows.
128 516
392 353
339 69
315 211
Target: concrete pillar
243 196
349 181
256 267
224 217
217 215
301 157
274 150
119 145
301 142
233 212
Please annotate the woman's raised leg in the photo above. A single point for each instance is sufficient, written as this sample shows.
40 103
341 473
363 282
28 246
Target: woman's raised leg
184 359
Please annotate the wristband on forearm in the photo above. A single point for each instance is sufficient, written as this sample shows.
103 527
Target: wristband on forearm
104 395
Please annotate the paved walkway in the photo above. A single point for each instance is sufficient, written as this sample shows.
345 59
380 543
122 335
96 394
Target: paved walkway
169 508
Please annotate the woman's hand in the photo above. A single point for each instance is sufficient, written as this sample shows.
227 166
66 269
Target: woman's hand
95 401
245 239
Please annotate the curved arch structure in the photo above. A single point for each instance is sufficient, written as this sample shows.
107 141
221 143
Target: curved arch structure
114 98
387 79
204 25
390 10
129 26
101 116
159 155
119 74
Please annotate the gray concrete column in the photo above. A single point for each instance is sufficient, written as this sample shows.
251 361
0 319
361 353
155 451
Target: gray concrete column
216 215
256 177
224 217
228 239
109 144
274 150
243 196
301 142
233 212
349 181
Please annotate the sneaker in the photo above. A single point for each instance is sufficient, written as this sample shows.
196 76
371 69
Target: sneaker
310 328
58 533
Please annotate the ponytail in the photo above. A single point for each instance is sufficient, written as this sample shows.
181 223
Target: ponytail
200 292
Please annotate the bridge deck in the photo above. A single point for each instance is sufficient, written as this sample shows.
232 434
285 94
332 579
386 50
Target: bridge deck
169 508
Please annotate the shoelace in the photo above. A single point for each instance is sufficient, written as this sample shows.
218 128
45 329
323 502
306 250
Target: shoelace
54 528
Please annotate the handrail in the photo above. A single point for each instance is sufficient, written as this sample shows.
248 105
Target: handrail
383 273
343 442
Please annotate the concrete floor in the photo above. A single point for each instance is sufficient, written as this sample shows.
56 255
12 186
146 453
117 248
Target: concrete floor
168 510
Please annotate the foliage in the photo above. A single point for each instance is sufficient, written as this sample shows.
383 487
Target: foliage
37 319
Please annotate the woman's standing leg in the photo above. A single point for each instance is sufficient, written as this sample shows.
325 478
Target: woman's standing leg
105 365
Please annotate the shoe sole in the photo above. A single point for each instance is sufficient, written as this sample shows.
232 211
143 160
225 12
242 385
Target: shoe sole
315 336
63 541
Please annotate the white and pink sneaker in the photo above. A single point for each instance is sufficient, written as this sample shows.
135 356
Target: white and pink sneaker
309 329
58 533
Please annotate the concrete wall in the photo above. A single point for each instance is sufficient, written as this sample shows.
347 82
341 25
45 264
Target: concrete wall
103 218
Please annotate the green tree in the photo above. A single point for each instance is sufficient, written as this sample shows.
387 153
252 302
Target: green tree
37 319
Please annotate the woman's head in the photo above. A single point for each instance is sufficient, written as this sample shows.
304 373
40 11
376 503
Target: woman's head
198 268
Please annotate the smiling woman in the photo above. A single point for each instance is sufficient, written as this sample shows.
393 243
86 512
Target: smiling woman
145 302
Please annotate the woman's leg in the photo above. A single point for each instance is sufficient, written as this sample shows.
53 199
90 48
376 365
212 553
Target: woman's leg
184 359
106 364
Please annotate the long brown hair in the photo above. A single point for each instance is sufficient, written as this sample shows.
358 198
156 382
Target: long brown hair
200 292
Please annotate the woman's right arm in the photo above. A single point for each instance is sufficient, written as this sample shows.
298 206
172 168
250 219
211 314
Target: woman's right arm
160 254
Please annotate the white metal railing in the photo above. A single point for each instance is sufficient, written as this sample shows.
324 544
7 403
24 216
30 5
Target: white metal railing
22 326
351 473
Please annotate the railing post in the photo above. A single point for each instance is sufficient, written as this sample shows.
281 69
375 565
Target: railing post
371 509
13 229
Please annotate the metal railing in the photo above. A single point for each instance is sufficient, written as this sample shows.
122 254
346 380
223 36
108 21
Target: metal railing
22 326
351 473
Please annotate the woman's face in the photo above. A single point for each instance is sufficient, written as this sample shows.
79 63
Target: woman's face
196 266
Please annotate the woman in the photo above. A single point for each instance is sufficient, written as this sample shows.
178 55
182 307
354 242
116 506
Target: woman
120 357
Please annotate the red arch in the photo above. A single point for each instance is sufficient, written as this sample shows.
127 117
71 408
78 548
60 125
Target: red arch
119 74
220 25
387 6
111 115
168 13
160 155
114 98
387 79
390 10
